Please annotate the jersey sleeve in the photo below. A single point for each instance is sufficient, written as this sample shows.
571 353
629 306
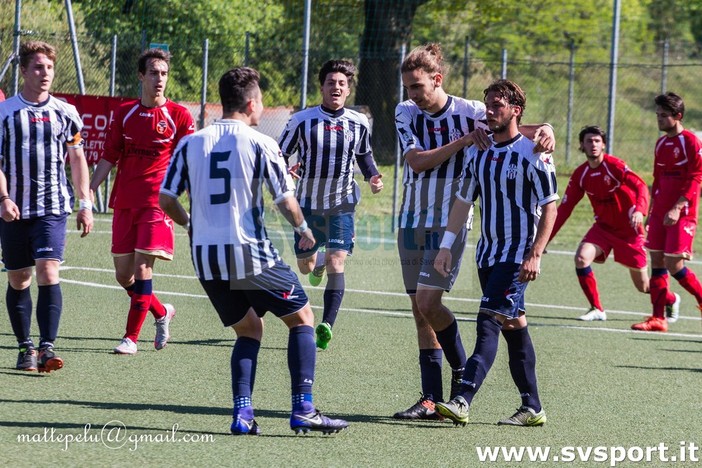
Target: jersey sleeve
405 129
637 185
74 127
466 186
185 126
543 175
290 138
278 179
573 194
691 187
176 178
114 146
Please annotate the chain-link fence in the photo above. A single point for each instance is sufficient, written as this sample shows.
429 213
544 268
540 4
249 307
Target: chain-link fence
565 90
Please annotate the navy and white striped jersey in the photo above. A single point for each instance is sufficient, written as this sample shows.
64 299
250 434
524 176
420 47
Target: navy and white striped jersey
225 167
327 145
512 183
428 196
33 142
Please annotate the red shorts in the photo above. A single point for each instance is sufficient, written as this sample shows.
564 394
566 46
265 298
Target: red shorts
629 251
675 240
145 230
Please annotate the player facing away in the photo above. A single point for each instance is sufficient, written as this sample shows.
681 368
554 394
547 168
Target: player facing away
518 192
142 137
329 139
37 132
677 173
225 168
619 199
434 130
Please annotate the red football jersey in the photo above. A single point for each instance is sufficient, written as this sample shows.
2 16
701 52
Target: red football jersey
140 142
677 172
614 191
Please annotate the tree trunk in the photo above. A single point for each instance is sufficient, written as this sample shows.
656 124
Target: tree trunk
388 24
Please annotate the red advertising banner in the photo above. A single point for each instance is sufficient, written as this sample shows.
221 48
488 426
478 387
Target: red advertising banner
97 113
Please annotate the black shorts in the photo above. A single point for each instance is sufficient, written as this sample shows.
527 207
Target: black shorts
418 248
26 240
276 289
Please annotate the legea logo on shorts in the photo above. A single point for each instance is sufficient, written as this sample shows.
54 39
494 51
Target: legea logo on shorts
45 249
424 274
336 241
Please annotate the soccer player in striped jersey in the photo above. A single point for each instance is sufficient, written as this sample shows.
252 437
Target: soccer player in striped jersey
677 173
434 129
141 140
329 139
518 192
619 198
225 169
37 132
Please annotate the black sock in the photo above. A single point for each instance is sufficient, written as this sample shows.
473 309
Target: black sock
49 305
19 308
430 370
478 365
243 363
333 295
450 340
522 365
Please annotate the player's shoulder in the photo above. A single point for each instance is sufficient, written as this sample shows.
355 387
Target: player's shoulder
356 116
60 104
305 114
690 137
615 162
469 107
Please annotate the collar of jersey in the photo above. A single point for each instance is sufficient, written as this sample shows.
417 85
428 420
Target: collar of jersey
508 142
332 113
34 104
443 109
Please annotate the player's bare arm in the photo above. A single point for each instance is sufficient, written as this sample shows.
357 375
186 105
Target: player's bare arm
424 160
457 219
290 209
8 208
172 207
531 266
80 175
99 175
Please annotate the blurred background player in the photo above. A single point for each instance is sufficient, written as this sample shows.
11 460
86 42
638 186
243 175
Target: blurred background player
141 140
329 140
237 265
619 199
677 173
434 129
37 131
518 192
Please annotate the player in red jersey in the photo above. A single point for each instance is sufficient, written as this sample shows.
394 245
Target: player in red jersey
619 199
142 138
677 173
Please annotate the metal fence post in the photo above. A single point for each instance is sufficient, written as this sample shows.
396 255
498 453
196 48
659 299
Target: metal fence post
664 65
398 150
503 73
613 64
305 53
466 67
203 92
571 91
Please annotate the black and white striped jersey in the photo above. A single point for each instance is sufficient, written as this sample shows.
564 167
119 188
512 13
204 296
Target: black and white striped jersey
225 167
512 183
33 146
428 196
327 144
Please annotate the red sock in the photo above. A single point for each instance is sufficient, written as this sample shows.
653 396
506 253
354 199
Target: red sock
660 294
688 280
588 283
156 307
138 308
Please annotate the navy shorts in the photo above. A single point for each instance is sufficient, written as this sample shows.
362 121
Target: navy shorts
418 247
26 240
335 230
503 293
276 289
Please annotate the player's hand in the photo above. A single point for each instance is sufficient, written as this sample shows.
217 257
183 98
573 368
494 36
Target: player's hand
9 210
637 219
545 140
671 217
376 184
84 221
293 171
307 240
442 262
530 269
478 137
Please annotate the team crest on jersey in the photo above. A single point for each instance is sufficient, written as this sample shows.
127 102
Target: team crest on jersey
607 180
456 134
512 171
676 152
348 135
161 127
